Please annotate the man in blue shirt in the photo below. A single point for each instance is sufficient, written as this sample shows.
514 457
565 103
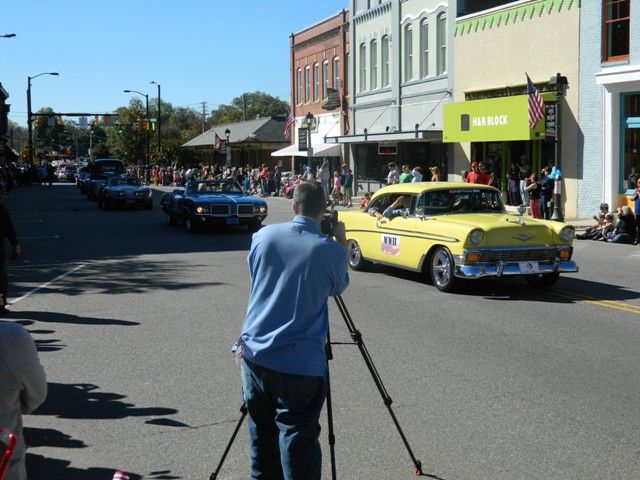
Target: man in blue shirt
294 269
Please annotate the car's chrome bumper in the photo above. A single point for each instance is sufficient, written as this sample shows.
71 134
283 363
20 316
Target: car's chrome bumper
500 269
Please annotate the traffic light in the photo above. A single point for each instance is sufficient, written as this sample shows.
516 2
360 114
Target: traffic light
146 124
139 124
39 121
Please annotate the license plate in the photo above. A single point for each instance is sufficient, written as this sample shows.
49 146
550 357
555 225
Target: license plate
233 221
528 267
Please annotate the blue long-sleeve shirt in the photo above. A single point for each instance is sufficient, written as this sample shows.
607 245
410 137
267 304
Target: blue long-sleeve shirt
294 269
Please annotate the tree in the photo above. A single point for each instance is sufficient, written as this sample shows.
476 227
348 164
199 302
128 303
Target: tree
247 107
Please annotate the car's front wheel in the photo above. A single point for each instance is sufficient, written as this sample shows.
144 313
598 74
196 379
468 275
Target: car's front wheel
356 261
542 280
190 222
441 268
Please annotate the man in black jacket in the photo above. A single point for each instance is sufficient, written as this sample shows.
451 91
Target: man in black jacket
6 232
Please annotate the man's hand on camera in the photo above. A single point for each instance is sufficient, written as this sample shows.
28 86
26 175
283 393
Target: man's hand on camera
340 233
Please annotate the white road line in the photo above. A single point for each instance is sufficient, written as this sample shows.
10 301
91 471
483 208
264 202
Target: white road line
45 285
39 238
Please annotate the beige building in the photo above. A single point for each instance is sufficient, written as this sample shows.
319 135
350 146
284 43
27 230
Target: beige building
494 49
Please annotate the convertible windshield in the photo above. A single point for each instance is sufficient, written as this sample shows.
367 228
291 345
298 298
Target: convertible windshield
115 181
221 186
467 200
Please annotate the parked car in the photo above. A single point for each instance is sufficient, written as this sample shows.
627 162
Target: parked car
121 191
456 231
213 202
101 169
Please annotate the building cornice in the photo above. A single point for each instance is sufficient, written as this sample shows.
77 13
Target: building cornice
509 14
372 13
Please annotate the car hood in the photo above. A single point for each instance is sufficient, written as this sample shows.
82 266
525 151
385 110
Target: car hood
502 229
225 198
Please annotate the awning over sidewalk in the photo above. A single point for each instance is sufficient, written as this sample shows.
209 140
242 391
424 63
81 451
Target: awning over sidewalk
319 150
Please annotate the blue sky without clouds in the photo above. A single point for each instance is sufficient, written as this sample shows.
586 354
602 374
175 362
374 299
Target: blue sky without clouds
197 50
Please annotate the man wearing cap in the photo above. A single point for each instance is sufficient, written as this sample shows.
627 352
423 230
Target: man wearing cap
6 232
476 176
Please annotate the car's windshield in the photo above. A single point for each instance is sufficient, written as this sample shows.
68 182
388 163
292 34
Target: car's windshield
115 181
215 186
467 200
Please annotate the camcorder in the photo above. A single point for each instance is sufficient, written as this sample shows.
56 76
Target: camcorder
329 221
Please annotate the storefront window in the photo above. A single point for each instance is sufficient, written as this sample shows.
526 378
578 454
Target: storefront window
630 139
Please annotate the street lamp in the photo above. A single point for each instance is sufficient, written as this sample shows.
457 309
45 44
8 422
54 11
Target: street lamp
29 128
153 82
146 136
559 83
308 124
227 133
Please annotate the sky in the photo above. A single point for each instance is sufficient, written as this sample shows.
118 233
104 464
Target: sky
197 50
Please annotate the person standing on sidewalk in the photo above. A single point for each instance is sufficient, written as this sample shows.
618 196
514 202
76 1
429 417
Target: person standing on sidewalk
6 232
294 269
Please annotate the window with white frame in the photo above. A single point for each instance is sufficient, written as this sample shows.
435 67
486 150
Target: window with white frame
325 78
424 48
299 86
316 82
384 60
307 84
441 31
363 67
336 73
408 53
373 65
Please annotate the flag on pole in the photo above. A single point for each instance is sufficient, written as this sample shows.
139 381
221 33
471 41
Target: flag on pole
217 142
536 105
287 126
120 475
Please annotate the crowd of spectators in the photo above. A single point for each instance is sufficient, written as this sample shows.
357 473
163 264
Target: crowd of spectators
621 227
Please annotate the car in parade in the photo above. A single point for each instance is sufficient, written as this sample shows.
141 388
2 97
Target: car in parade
455 231
213 202
127 192
83 177
101 169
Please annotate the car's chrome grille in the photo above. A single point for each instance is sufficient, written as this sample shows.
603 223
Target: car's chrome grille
219 209
519 255
245 209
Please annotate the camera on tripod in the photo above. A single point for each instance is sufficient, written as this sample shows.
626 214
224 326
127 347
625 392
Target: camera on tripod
329 221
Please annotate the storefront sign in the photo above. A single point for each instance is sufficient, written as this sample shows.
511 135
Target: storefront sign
490 120
387 148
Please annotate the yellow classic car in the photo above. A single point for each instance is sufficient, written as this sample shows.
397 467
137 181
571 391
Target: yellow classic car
453 231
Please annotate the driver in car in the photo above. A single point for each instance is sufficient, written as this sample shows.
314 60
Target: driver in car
399 207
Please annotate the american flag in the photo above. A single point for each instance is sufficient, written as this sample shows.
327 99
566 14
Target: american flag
536 105
287 126
217 142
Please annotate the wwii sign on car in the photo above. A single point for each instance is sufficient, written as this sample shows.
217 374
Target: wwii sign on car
456 231
213 202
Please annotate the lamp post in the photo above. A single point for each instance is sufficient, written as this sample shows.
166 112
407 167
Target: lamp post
560 83
227 133
308 125
29 127
146 130
159 152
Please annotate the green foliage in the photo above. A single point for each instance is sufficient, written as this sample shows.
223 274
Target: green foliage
248 107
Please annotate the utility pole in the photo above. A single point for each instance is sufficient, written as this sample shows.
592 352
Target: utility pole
204 114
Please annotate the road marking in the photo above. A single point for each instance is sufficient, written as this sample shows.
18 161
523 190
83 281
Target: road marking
40 238
45 285
599 302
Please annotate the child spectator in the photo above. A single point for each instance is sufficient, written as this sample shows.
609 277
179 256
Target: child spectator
366 198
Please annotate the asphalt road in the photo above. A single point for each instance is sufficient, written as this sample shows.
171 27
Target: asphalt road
134 320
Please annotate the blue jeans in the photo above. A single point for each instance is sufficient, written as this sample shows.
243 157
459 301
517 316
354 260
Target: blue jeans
283 419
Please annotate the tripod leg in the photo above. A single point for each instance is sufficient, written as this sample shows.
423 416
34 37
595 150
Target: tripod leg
357 339
243 410
331 435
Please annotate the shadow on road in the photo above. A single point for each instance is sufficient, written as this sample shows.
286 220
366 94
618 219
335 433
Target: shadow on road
48 437
83 401
28 317
43 468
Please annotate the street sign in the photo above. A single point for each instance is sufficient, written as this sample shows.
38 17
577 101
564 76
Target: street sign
303 139
550 120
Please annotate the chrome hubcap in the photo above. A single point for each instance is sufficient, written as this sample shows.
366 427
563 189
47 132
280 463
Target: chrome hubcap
354 253
441 267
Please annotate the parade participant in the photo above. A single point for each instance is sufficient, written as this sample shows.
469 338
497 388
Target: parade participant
294 269
6 232
24 388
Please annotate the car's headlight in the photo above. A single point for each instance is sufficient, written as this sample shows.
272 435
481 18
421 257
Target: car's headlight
259 209
567 233
200 209
476 236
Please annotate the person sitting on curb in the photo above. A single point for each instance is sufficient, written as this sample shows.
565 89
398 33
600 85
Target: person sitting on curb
625 230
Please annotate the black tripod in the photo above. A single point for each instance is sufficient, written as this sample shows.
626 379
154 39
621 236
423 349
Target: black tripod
356 336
